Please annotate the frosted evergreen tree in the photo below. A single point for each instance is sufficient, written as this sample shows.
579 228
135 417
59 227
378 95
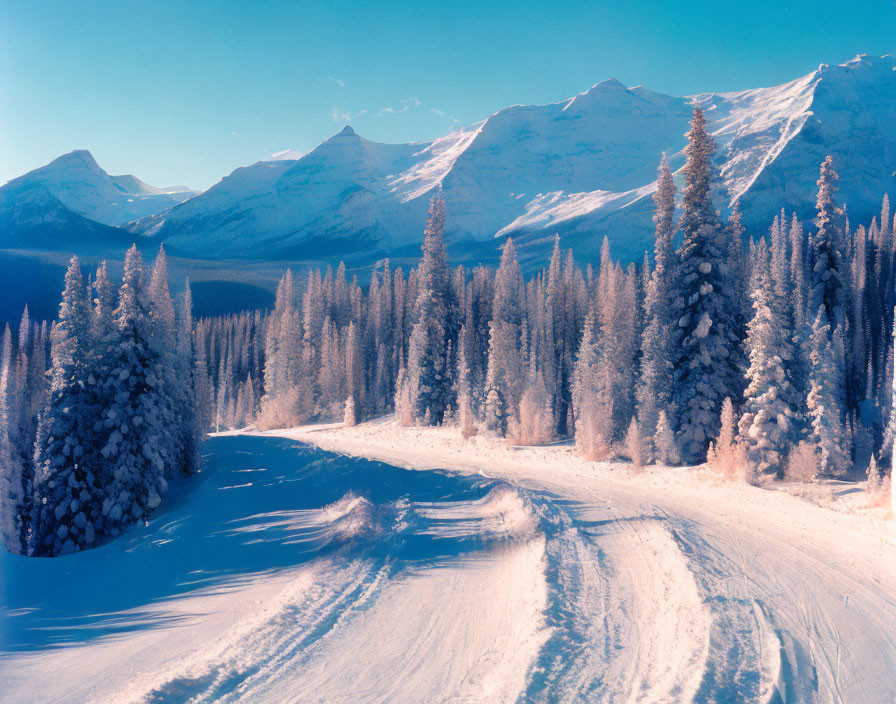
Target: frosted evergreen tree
826 268
189 422
726 454
137 428
68 484
862 372
825 402
738 265
665 446
767 426
505 376
12 497
798 273
428 370
202 390
290 356
353 374
26 386
616 340
169 370
592 405
707 338
654 392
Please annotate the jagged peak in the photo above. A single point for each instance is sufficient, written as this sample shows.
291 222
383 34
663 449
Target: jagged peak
866 62
608 83
75 156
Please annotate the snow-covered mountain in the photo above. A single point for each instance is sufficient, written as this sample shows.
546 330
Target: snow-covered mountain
583 167
77 182
336 200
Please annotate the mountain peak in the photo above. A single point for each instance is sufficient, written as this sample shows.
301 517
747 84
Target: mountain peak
610 84
347 131
77 157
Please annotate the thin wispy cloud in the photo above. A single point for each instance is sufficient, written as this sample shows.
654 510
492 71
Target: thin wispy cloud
412 103
339 115
405 105
331 79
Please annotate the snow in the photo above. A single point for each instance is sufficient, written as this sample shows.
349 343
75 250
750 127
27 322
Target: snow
488 573
285 155
319 575
748 550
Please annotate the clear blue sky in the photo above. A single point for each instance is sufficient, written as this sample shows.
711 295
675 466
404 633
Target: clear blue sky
185 91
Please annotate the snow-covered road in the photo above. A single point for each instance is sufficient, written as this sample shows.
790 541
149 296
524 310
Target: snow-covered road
673 586
289 574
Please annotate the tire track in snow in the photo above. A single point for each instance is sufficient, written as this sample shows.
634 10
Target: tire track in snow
619 633
278 657
302 612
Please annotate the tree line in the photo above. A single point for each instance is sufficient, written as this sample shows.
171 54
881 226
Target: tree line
777 348
792 329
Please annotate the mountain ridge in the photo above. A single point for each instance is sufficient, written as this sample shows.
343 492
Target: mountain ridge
81 185
583 167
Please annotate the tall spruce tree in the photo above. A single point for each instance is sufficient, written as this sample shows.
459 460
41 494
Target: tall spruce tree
654 392
428 368
137 428
69 483
707 338
505 376
825 402
827 285
12 496
767 426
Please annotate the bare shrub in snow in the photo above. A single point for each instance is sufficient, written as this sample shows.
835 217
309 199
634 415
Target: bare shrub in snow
802 463
880 496
634 445
282 411
465 418
593 429
726 455
532 425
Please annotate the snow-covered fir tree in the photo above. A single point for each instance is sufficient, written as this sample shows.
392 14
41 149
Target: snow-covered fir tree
768 426
504 381
827 288
592 404
12 495
707 338
120 419
655 382
825 402
428 369
665 445
69 485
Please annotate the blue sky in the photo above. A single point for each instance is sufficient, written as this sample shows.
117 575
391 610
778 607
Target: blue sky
183 92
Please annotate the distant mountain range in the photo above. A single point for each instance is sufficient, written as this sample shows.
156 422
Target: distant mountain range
71 202
583 168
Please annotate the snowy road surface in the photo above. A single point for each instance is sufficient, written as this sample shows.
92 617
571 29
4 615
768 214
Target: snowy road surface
289 574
